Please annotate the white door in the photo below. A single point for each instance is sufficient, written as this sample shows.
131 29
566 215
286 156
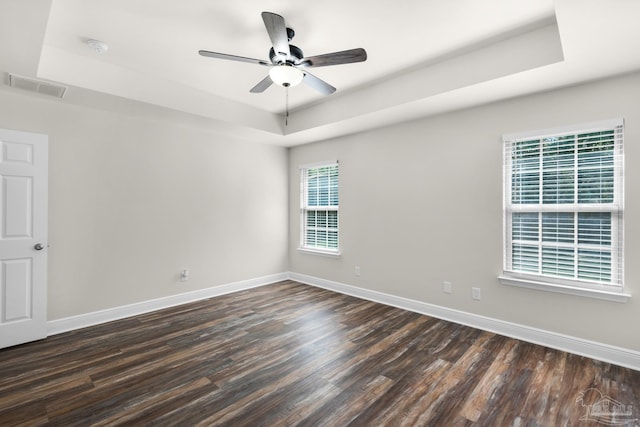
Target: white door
23 237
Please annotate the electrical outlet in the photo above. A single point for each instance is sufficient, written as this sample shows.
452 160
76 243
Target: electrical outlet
447 287
357 271
184 275
475 294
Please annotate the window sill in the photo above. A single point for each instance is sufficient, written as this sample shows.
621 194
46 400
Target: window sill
330 254
563 289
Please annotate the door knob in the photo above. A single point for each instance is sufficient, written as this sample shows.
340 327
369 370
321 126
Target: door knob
38 247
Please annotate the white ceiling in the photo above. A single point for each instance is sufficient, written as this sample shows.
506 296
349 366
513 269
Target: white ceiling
424 56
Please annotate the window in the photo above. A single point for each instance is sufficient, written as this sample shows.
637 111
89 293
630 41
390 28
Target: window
563 206
319 208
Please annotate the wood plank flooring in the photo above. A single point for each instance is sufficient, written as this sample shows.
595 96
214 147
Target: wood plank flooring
289 354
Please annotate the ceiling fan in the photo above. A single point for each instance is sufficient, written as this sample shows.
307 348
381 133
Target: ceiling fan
287 62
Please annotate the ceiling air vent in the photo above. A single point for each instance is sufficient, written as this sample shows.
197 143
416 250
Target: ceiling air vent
35 85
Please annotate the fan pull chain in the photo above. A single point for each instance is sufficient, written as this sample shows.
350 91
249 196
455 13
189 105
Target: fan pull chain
286 103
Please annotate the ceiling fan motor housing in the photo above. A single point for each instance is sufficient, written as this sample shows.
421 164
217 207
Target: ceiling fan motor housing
294 57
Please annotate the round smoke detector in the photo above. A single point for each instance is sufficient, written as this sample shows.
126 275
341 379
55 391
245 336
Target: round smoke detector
98 46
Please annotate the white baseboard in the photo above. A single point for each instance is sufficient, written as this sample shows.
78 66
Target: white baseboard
606 353
594 350
89 319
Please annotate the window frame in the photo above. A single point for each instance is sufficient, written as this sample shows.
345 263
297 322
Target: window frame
610 290
306 208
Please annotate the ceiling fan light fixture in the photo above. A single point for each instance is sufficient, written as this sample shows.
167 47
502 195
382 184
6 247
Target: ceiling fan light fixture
286 75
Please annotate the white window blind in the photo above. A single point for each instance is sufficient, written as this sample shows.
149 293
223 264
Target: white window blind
563 205
319 207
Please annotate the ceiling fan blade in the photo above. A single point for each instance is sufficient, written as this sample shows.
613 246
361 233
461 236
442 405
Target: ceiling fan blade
233 57
319 85
335 58
277 32
262 85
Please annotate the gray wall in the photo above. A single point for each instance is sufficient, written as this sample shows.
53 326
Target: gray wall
133 201
421 203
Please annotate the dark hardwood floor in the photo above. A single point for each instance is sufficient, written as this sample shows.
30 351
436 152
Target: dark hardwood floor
289 354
